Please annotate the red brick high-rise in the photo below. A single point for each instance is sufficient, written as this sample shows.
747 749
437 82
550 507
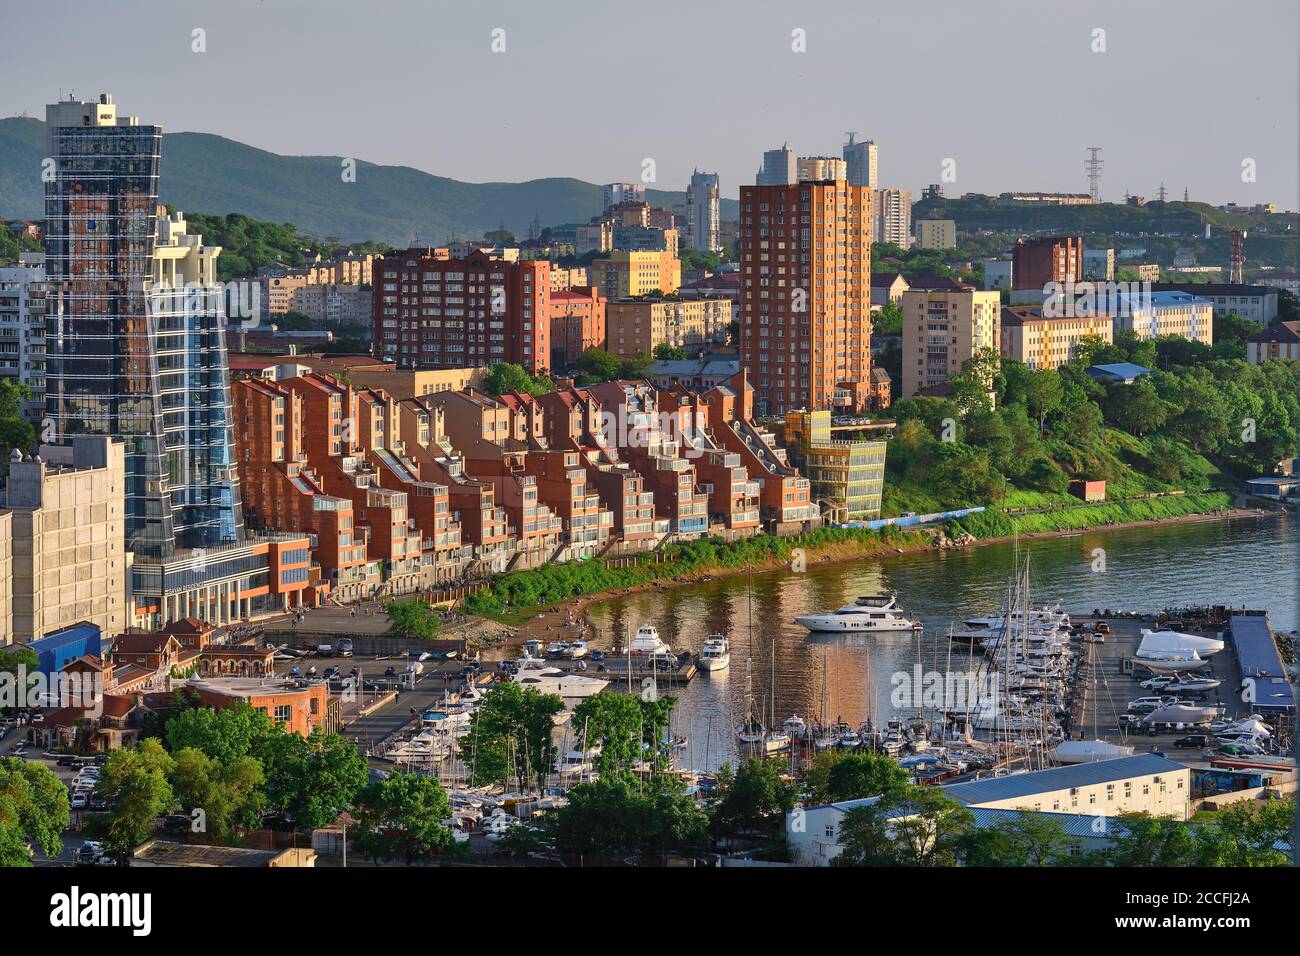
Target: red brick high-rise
435 312
805 315
1036 262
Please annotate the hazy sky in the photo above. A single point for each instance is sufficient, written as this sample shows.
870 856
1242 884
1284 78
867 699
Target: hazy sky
1010 89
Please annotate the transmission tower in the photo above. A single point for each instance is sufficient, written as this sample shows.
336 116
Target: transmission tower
1237 260
1093 165
1161 192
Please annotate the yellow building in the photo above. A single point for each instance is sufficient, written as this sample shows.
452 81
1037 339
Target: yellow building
945 322
847 476
623 274
638 325
1041 342
936 233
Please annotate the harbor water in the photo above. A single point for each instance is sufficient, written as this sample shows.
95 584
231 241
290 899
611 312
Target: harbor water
1252 562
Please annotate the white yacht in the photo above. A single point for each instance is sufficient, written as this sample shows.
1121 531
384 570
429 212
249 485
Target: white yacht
795 726
868 614
647 641
551 680
716 653
1047 617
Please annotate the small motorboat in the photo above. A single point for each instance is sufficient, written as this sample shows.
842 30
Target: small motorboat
716 653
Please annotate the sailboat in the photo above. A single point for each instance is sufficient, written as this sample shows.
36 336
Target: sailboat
751 730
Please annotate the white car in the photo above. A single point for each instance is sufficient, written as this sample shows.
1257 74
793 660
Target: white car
80 800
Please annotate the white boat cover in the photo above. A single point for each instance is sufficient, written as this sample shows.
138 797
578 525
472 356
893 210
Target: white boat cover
1158 642
1181 714
1086 751
1252 726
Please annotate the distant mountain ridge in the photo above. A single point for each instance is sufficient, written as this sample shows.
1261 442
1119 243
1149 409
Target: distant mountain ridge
202 172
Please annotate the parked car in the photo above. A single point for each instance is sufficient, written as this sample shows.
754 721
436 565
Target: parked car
91 853
80 799
1193 741
1102 627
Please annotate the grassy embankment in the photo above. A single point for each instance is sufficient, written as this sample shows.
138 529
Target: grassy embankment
512 598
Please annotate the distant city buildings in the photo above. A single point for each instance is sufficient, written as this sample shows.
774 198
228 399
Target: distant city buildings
1037 262
860 161
1257 303
1098 265
22 329
945 322
702 212
998 274
779 168
638 325
611 194
893 217
936 233
623 274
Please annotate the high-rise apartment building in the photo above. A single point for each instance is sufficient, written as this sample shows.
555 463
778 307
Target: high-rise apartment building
22 329
435 312
135 342
779 168
703 218
818 168
893 217
860 162
945 322
805 319
611 194
936 233
135 335
577 318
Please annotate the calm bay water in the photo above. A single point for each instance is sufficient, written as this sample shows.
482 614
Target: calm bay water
1244 561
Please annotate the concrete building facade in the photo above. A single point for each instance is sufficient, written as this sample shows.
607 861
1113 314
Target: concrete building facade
945 322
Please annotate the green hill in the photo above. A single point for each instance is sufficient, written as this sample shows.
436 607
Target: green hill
1159 227
394 204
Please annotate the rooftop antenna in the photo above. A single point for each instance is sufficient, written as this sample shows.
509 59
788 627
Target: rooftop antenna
1093 164
850 134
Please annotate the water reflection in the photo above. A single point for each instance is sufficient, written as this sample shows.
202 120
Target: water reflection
1242 562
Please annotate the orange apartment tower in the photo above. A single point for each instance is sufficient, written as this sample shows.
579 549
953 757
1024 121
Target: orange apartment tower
805 315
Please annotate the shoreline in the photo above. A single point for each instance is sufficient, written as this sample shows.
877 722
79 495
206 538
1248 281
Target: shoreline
548 623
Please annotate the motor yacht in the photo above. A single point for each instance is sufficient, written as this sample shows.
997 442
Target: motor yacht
716 653
647 641
868 614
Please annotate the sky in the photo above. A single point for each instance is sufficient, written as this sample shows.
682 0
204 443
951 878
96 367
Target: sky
1012 92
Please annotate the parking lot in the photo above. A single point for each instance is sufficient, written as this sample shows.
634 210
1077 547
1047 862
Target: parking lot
1111 689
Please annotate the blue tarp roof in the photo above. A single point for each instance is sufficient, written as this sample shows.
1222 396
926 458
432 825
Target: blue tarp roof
1060 778
1257 653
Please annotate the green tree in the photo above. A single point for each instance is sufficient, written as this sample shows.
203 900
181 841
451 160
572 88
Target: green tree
227 794
619 816
753 799
412 621
598 365
509 739
1246 835
224 735
1143 840
136 781
887 320
509 377
311 780
1027 839
664 352
850 775
400 817
33 806
915 826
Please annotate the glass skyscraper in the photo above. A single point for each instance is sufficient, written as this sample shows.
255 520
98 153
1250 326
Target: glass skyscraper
135 331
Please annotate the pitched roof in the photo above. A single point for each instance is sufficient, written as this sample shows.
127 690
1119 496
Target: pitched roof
141 643
937 284
1282 332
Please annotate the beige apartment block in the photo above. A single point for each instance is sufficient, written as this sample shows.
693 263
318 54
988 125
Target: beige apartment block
1043 342
623 274
945 322
936 233
69 560
638 325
